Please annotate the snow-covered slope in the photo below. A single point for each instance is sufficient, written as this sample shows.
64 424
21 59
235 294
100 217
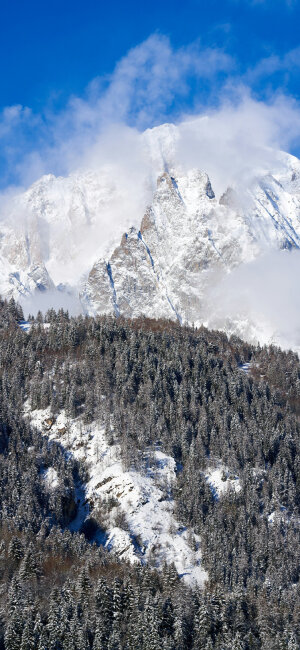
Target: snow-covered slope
136 509
174 253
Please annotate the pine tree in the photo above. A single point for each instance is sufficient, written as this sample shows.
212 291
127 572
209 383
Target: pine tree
28 641
37 629
237 642
114 641
202 626
13 632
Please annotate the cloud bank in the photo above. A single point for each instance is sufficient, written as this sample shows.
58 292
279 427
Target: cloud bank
264 296
54 299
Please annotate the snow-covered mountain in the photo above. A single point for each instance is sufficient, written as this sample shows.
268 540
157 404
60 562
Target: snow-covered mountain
67 232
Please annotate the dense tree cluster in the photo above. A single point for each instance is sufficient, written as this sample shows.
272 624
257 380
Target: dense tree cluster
149 382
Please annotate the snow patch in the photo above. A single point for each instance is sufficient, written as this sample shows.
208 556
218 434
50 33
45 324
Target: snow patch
50 477
220 479
277 515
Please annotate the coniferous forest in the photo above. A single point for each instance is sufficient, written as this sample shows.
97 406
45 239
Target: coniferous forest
148 382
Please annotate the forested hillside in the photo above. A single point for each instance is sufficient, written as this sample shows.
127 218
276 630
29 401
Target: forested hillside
207 401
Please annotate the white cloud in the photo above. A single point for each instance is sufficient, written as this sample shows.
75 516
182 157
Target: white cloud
238 139
264 293
140 92
287 64
148 78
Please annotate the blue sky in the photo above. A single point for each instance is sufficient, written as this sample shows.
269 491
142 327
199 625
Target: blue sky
54 49
66 72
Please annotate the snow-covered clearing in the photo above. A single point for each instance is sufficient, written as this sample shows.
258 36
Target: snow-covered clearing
282 514
135 508
276 515
220 479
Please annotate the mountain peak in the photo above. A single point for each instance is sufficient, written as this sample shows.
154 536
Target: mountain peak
164 260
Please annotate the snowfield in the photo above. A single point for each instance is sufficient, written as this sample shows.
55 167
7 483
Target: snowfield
136 507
